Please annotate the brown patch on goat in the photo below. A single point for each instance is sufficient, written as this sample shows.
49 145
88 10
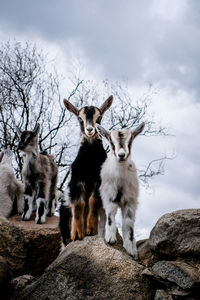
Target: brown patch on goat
92 219
78 220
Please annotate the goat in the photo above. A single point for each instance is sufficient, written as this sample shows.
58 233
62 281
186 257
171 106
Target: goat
11 189
119 185
83 188
39 175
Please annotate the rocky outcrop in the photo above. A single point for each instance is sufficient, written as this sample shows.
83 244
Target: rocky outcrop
42 242
18 285
174 263
177 234
12 247
168 265
90 269
4 278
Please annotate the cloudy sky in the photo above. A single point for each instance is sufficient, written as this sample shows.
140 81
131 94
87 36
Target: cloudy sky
139 42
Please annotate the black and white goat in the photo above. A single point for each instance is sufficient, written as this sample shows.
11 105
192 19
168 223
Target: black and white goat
39 175
11 189
83 189
119 185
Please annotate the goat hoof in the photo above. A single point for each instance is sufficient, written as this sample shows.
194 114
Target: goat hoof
91 231
76 236
111 240
24 218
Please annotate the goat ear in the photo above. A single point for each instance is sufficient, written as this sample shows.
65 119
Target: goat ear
106 104
70 107
36 129
1 156
102 131
138 130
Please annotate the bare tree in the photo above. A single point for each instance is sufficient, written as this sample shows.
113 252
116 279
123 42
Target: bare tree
30 94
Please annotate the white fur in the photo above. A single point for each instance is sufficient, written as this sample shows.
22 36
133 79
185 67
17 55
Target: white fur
43 217
10 187
119 177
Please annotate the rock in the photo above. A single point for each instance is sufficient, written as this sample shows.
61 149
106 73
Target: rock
162 295
12 247
90 269
144 252
19 284
177 233
42 241
182 274
4 278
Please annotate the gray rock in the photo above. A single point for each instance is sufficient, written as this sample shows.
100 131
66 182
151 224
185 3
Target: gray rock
177 233
19 284
42 242
162 295
12 247
144 252
182 274
90 269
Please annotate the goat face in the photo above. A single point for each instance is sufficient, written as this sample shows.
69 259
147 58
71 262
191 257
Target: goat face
28 140
89 116
120 140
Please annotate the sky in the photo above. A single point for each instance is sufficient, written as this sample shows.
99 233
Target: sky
140 43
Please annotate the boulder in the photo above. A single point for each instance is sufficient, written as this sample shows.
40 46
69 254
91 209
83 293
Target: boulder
90 269
4 278
162 295
19 284
177 234
144 252
42 242
180 273
12 247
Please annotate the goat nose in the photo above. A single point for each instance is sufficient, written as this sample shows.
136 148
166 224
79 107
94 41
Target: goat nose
89 129
121 155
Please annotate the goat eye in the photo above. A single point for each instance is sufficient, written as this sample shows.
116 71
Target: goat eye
80 120
99 119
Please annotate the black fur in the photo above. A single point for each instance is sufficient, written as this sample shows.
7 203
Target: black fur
109 220
89 112
131 234
24 142
86 169
40 212
118 196
26 207
112 144
65 223
121 140
129 214
28 190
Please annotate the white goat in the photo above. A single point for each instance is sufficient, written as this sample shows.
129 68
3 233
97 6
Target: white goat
119 185
11 189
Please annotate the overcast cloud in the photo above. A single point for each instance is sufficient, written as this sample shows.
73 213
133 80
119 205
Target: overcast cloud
139 42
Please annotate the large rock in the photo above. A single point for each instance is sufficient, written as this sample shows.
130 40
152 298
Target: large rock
42 242
145 256
162 295
177 233
12 247
4 278
184 275
90 269
19 284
